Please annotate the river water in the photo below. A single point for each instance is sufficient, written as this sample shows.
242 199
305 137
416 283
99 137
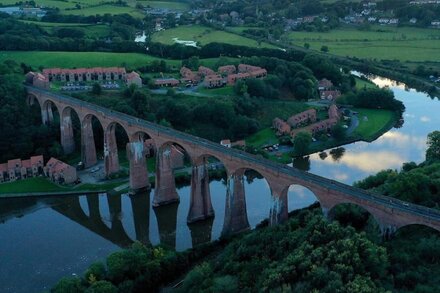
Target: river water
45 239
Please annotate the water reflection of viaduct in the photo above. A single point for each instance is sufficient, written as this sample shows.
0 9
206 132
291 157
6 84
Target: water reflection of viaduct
390 214
94 220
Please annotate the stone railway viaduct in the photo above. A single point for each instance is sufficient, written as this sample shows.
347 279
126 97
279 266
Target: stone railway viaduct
389 213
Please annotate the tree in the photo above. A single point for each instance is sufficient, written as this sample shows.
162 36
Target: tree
433 151
307 45
301 142
338 131
324 49
96 89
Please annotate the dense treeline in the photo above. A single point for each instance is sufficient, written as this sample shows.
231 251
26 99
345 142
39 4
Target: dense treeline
374 98
419 184
139 268
22 133
211 118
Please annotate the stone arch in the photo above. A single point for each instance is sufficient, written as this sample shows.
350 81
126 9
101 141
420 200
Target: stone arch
47 111
92 134
300 196
206 167
146 138
248 190
31 99
70 124
170 156
357 216
427 227
115 138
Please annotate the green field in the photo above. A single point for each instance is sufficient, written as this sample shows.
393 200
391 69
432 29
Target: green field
165 4
205 35
362 84
38 184
90 30
80 59
263 137
104 9
223 91
48 59
381 42
376 122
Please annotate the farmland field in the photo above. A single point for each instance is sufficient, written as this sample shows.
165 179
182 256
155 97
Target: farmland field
90 30
165 4
402 43
90 59
104 9
80 59
205 35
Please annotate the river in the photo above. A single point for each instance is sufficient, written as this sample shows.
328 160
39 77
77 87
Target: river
45 239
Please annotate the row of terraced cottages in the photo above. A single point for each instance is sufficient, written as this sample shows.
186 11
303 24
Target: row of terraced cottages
225 75
55 169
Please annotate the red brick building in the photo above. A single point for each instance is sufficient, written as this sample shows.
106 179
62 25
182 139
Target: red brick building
227 69
166 82
308 116
281 127
17 169
330 95
188 76
213 81
134 78
85 74
324 125
60 172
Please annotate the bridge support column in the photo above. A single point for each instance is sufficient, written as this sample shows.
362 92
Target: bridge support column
279 212
235 211
165 188
387 231
200 206
67 140
111 160
138 166
88 149
46 114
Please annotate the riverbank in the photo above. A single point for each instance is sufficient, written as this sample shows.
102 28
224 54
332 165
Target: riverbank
371 124
42 186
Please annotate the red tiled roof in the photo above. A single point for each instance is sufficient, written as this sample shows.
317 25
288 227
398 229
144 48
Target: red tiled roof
13 163
26 163
133 75
166 81
35 160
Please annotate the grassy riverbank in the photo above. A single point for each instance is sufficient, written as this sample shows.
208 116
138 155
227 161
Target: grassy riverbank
41 185
372 124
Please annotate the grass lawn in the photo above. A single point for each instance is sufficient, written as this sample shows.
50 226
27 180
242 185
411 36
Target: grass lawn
104 9
79 59
381 42
375 123
90 30
205 35
38 184
279 108
174 5
362 84
263 137
223 91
